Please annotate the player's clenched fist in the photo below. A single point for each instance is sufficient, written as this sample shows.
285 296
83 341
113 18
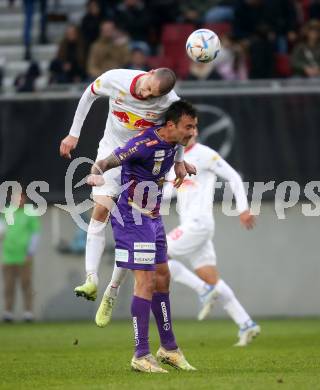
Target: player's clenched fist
95 180
67 145
247 220
190 168
181 170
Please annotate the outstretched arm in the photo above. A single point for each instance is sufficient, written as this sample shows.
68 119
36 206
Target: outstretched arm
112 161
70 142
224 170
131 151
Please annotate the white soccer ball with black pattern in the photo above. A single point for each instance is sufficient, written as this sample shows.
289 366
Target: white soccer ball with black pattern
203 45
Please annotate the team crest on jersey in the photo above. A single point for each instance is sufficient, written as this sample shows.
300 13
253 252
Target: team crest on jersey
120 98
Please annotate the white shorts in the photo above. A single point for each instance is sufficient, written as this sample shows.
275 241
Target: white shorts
112 178
192 242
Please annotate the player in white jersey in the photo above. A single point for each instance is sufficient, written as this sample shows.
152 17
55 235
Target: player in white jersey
192 239
137 100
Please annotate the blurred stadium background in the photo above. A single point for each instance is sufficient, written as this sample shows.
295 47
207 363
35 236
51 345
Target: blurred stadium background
259 107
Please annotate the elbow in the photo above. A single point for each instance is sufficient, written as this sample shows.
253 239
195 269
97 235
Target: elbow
235 178
96 168
236 182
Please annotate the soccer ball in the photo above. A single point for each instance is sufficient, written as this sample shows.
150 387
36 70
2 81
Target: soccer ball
203 45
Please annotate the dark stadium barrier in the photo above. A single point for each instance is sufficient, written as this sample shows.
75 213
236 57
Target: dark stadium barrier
265 136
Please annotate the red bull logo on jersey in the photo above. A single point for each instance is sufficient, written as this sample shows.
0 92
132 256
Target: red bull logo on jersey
120 98
122 116
143 124
132 121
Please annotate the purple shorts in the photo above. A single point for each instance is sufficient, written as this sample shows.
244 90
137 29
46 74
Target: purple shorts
140 247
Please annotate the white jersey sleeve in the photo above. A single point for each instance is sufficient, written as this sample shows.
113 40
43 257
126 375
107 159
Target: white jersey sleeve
172 97
102 86
222 169
82 110
169 191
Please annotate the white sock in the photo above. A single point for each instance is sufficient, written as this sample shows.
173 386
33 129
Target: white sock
28 315
118 276
8 315
96 239
181 274
231 304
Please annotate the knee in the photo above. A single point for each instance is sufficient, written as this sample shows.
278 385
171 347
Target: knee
208 274
26 284
211 279
146 287
163 280
100 212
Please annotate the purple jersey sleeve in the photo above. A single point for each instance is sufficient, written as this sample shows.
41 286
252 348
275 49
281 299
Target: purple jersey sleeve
134 149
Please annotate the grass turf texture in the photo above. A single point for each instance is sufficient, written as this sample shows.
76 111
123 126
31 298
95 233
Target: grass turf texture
81 356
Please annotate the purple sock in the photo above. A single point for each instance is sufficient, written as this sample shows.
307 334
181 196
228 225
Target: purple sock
140 311
161 310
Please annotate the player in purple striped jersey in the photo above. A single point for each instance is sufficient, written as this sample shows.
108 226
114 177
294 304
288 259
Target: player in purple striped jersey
139 232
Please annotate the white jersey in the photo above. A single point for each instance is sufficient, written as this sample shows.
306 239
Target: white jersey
196 194
128 113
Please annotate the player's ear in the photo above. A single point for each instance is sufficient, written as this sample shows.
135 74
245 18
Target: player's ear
170 124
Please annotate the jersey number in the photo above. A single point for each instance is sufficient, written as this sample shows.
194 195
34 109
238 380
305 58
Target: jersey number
157 167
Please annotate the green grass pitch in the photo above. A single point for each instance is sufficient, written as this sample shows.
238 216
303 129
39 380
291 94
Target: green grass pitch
81 356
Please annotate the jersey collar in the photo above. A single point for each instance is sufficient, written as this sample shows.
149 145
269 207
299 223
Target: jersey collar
133 85
188 148
155 131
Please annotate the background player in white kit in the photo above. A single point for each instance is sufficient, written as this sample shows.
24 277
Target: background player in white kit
137 100
192 239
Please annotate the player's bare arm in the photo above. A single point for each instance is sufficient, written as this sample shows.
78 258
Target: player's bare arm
96 179
182 169
112 161
181 173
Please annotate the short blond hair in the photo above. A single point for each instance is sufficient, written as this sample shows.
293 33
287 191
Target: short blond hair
167 79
